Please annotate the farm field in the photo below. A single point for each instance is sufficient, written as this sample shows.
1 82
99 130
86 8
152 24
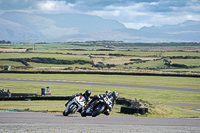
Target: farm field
128 61
107 45
104 57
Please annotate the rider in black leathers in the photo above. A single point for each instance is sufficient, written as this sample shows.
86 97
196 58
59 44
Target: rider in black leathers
113 97
90 104
97 97
86 95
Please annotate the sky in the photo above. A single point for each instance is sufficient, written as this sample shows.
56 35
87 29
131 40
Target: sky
132 13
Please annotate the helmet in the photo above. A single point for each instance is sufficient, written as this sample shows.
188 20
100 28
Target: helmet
87 93
115 95
108 92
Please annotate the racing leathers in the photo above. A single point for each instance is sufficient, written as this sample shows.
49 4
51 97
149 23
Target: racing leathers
87 98
89 107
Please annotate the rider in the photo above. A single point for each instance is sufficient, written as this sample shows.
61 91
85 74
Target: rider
113 97
97 97
86 95
108 92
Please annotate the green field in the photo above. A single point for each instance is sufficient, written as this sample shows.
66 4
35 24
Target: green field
182 53
104 45
152 95
121 60
184 82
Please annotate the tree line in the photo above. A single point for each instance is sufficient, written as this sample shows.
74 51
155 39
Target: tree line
49 61
5 42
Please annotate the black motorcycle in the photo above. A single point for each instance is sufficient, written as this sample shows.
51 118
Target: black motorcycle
99 107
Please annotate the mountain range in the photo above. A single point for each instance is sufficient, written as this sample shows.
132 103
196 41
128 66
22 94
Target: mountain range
25 27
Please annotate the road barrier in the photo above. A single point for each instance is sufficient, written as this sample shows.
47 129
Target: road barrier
35 98
131 110
178 74
131 106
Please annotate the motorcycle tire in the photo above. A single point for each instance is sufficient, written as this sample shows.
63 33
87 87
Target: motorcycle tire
65 113
98 111
84 114
71 110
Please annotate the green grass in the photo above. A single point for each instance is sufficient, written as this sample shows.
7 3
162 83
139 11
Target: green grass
184 82
139 53
73 52
117 60
33 105
102 45
10 63
163 96
183 70
158 111
188 62
171 111
182 54
32 64
152 64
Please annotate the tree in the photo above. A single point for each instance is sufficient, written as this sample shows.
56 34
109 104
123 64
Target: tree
8 42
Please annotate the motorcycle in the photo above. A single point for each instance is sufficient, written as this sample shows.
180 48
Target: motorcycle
100 106
75 104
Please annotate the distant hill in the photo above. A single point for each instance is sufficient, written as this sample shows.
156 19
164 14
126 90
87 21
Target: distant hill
19 26
188 31
16 32
83 23
44 26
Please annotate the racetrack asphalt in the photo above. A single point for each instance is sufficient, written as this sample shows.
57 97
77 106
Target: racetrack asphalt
20 122
102 84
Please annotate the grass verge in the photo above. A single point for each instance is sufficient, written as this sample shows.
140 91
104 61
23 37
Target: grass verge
158 111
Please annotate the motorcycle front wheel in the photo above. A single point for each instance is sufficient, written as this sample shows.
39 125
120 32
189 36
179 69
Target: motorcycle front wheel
72 109
65 113
98 111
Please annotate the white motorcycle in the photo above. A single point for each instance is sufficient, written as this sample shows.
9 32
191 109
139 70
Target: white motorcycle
75 104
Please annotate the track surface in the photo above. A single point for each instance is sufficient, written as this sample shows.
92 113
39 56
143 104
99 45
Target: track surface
103 84
56 122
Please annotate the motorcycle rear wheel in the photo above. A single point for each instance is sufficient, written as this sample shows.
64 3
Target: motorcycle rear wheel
84 114
98 111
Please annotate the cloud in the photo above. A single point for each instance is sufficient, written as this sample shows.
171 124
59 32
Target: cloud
53 7
7 5
157 13
132 13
